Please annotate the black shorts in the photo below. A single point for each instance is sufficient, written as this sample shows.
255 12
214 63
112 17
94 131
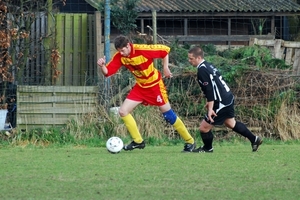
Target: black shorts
223 114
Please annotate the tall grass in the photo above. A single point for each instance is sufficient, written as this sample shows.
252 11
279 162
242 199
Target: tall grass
287 122
278 120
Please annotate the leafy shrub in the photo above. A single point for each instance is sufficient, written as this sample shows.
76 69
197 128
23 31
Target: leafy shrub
178 54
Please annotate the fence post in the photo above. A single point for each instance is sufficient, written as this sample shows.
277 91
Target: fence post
107 50
154 31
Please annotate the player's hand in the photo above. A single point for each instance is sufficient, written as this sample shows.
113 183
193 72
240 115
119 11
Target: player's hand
101 62
211 114
167 73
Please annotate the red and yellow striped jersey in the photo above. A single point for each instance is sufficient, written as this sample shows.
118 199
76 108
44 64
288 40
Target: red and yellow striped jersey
140 63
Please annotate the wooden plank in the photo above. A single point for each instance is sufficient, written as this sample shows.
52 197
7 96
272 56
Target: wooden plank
83 49
296 65
50 26
217 38
40 120
67 95
91 61
66 109
288 56
38 50
226 47
278 51
272 51
98 35
76 26
43 115
62 100
271 43
291 44
252 41
51 105
268 43
43 46
31 58
57 99
31 105
47 89
60 32
68 47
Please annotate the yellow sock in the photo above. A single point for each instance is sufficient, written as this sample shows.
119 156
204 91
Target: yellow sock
182 130
132 128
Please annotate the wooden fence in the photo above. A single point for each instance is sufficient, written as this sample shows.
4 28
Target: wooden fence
77 43
75 36
46 106
287 50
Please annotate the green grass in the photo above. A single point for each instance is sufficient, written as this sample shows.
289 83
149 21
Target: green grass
157 172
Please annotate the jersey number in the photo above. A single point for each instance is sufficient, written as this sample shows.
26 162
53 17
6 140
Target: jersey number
224 84
159 99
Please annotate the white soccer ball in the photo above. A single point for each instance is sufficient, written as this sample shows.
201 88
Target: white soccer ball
114 144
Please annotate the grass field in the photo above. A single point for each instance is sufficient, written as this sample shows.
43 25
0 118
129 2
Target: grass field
157 172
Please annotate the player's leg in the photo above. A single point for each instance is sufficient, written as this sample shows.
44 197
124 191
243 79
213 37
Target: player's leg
157 95
207 138
171 117
125 109
206 127
242 129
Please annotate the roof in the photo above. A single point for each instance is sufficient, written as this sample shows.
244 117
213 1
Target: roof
218 6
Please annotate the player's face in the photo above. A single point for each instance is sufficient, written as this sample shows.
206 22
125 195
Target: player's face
125 51
194 61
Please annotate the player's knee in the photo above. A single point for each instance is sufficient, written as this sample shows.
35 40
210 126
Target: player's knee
170 116
123 112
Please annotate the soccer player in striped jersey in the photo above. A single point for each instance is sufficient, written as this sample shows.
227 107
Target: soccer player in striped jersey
219 103
149 88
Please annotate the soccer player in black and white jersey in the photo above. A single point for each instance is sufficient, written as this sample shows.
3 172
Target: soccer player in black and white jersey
219 103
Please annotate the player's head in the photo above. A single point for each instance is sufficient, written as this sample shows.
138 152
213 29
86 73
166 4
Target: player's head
195 55
122 45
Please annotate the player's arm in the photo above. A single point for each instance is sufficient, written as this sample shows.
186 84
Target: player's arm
203 76
167 72
207 88
102 66
209 105
159 51
112 66
210 112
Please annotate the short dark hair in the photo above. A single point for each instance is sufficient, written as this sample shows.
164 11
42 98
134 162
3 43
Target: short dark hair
196 51
121 41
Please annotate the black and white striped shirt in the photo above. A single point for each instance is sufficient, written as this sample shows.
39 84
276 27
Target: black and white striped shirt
213 86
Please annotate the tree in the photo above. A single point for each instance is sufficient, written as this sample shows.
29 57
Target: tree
123 13
16 47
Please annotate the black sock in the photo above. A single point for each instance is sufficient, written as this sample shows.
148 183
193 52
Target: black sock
207 139
244 131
